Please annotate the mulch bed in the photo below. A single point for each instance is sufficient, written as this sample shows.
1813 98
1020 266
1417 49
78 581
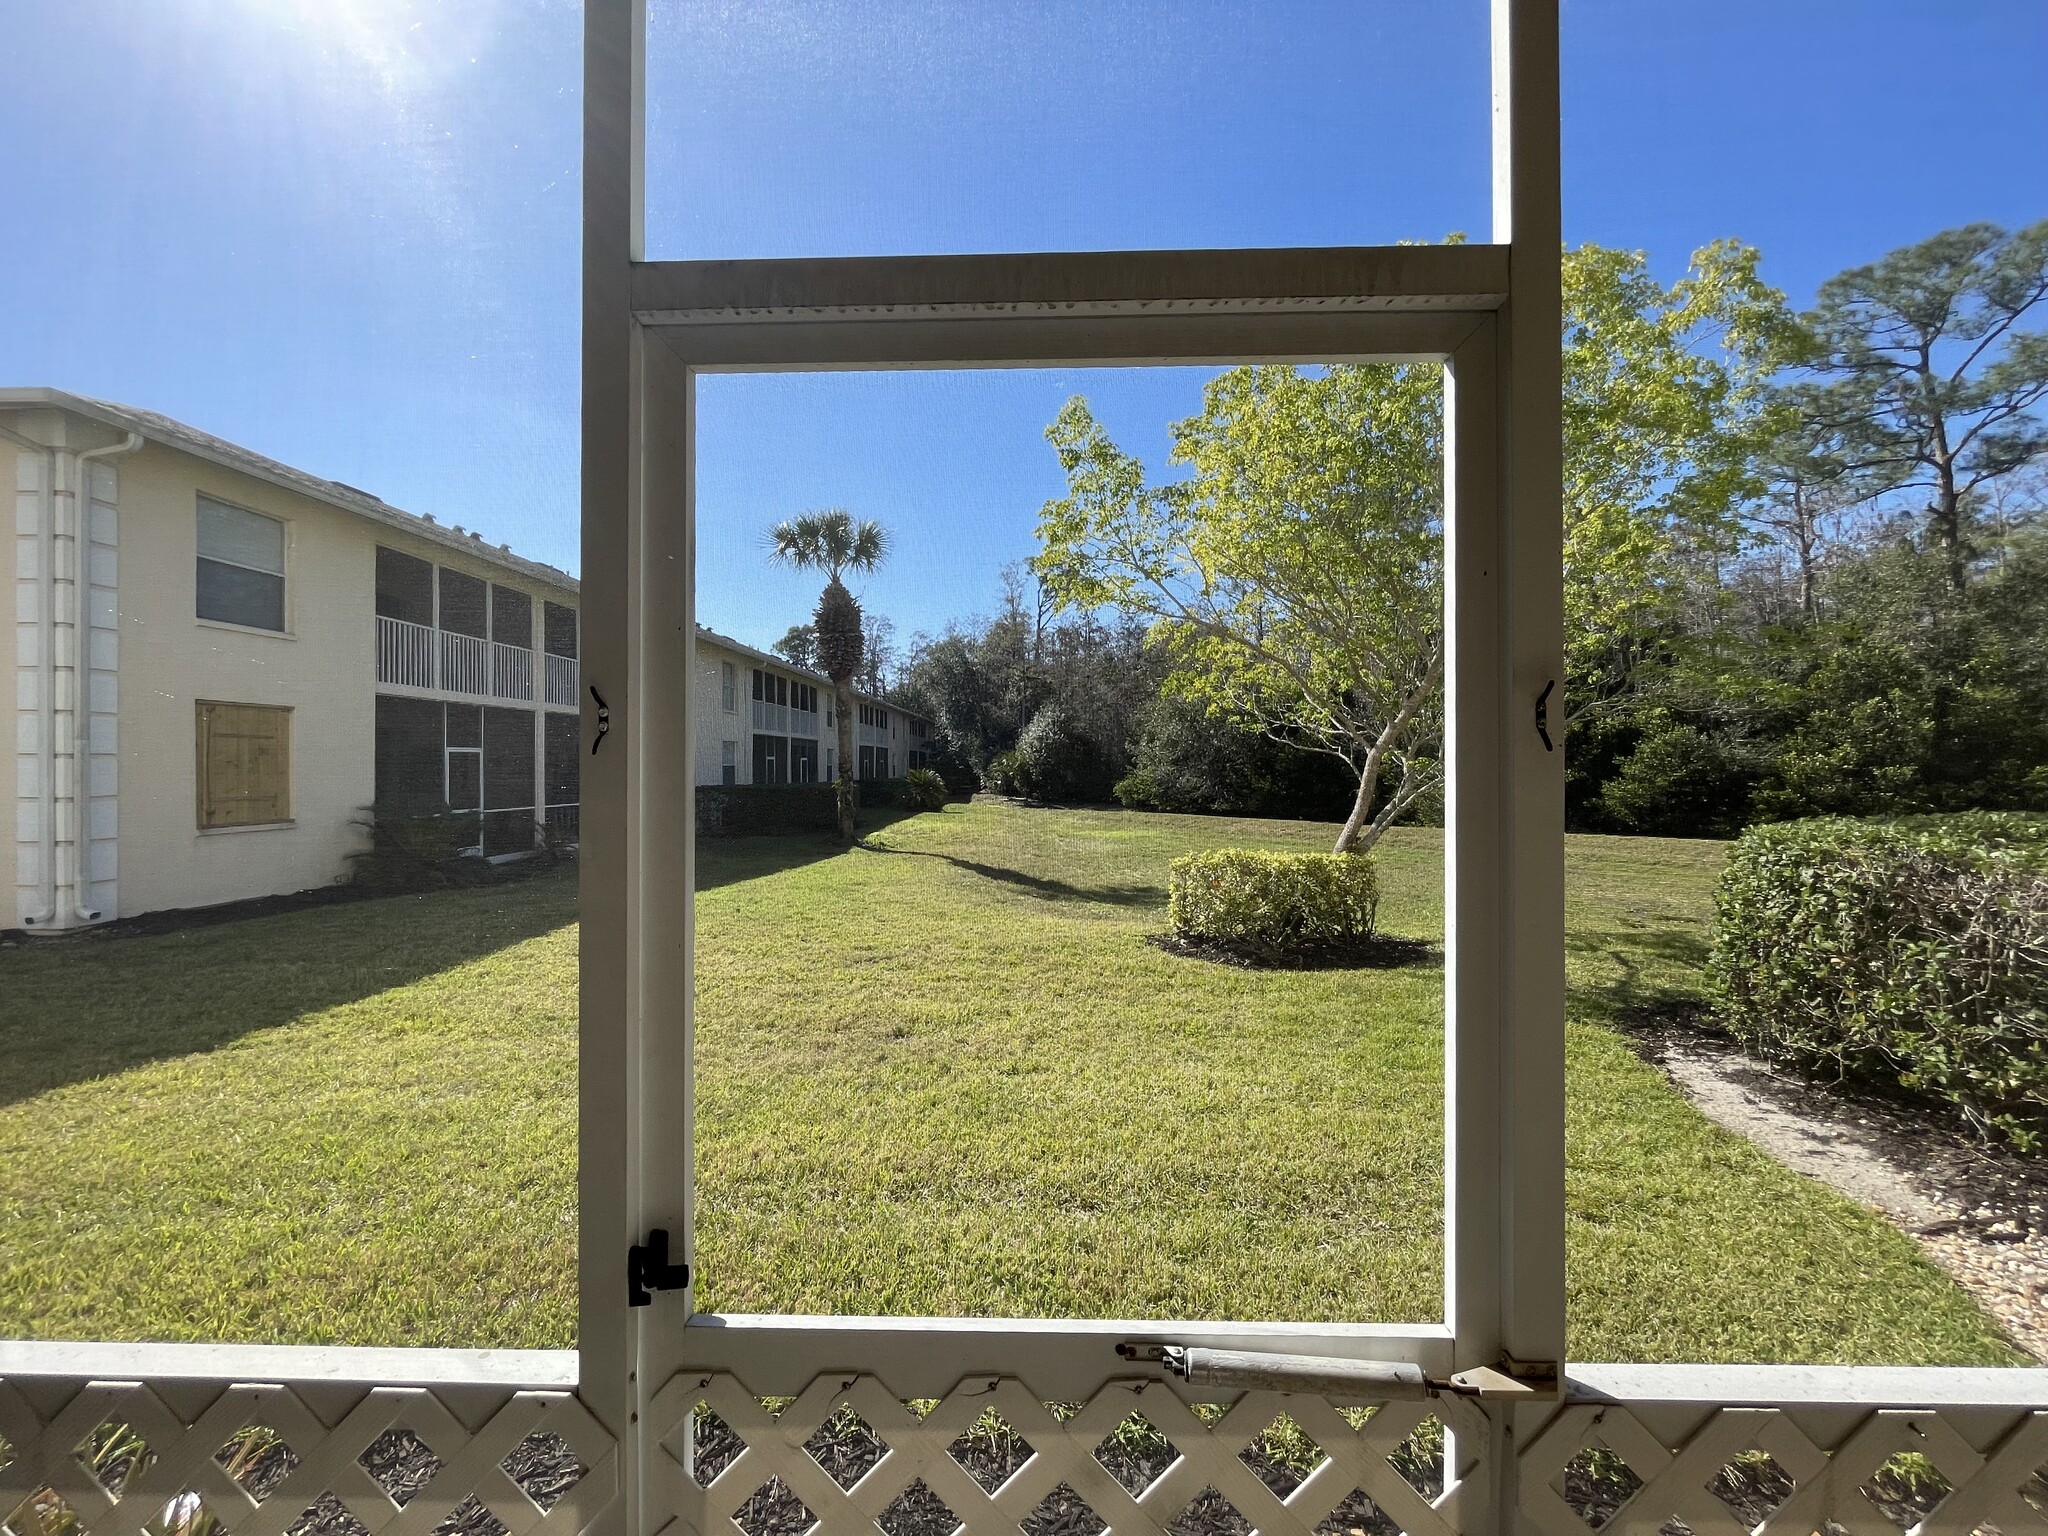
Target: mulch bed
1379 953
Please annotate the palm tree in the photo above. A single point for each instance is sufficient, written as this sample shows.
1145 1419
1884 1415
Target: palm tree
832 542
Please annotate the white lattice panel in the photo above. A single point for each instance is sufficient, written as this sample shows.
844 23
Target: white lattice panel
1831 1472
184 1458
1061 1452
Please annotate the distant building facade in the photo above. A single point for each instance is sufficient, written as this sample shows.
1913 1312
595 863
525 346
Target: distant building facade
220 663
761 720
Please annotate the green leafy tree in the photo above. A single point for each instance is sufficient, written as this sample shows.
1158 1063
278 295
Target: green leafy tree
1668 404
833 542
798 646
1277 567
1929 375
1294 575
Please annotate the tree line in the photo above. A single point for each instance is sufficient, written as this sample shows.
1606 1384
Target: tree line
1805 566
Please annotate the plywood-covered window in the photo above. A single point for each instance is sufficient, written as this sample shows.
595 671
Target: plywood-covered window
245 765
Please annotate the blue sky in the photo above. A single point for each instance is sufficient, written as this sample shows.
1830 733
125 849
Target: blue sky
343 232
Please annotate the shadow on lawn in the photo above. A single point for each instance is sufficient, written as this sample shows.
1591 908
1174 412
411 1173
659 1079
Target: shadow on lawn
1038 885
86 1007
102 1002
1672 952
729 860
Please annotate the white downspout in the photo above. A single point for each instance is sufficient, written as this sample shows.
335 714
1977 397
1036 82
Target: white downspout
81 663
46 684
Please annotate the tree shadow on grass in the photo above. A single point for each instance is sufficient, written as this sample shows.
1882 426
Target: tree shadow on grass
87 1006
1132 895
729 860
1631 951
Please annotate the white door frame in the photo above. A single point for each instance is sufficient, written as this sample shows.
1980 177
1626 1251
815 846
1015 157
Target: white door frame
1490 313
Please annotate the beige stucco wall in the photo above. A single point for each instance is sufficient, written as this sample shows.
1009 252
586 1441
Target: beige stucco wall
323 668
715 726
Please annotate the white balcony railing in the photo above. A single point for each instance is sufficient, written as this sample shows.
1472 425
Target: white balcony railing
465 664
419 656
560 680
511 671
405 653
771 717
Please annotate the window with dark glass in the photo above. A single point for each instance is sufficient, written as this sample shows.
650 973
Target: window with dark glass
241 566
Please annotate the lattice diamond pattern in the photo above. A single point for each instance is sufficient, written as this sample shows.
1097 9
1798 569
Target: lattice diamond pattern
1828 1481
326 1456
1061 1456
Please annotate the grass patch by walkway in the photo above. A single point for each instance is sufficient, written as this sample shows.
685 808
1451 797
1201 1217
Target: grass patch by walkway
940 1073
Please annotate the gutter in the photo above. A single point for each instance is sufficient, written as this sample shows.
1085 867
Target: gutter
46 664
81 662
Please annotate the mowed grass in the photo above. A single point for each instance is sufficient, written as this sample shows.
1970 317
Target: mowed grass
940 1073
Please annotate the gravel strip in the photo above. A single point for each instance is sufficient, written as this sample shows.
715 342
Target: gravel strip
1978 1211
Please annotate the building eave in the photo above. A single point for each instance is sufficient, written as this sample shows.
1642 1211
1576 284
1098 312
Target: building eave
176 435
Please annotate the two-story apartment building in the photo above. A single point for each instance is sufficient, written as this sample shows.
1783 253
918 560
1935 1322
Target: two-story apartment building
761 720
221 663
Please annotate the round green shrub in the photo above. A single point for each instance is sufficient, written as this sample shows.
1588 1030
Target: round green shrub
923 790
1273 906
1907 953
1057 761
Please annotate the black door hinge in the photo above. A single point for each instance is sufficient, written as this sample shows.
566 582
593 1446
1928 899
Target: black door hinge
648 1269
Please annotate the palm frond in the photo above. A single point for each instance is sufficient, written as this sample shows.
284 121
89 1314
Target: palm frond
828 540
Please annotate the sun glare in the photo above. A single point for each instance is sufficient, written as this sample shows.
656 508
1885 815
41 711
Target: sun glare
396 45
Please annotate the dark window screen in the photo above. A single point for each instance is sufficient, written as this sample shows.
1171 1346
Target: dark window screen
465 725
561 630
511 617
465 780
462 603
408 753
563 761
405 587
508 759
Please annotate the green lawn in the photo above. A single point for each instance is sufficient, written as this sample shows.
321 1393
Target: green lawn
941 1073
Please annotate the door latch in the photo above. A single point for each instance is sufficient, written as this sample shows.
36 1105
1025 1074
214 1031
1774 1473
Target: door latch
1356 1380
1543 715
648 1269
604 720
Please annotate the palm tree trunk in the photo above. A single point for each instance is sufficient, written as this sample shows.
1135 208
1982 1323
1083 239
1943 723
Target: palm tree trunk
842 692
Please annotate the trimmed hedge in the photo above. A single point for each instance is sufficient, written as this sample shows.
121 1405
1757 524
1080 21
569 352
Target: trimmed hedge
1273 905
1910 953
757 810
